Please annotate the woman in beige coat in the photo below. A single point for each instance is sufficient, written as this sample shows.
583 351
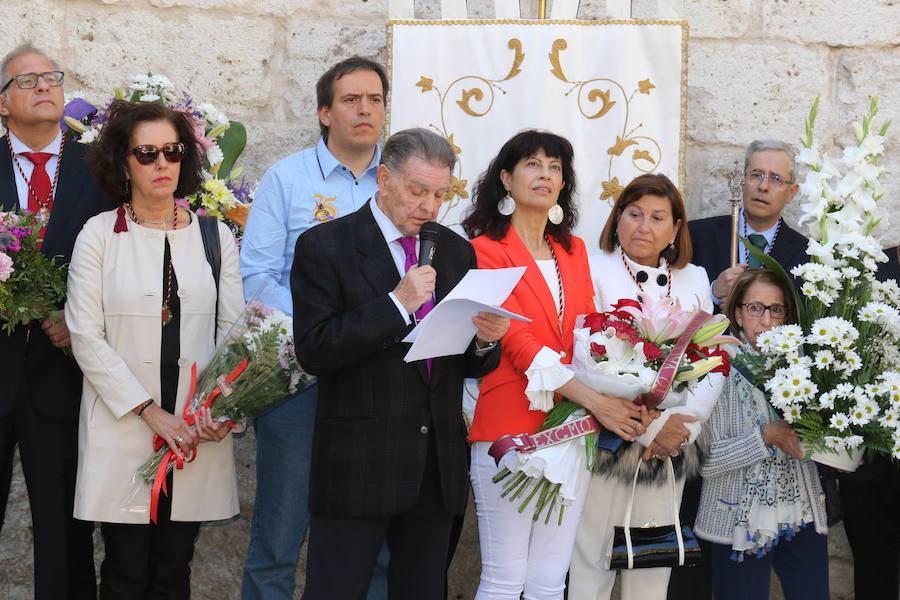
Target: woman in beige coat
141 310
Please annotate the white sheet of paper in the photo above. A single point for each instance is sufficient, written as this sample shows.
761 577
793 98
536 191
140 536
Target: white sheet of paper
448 328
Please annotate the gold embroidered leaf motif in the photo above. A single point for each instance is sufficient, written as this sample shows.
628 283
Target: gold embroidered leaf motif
456 148
645 86
558 45
642 154
620 146
611 189
425 83
516 45
467 95
594 95
457 188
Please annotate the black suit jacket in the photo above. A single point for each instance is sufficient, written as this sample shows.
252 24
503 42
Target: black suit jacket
711 239
31 364
376 412
890 269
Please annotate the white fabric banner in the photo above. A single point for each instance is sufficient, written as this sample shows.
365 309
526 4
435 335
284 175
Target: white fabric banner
616 89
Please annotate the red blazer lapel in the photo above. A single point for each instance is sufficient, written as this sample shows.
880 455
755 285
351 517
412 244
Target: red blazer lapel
519 255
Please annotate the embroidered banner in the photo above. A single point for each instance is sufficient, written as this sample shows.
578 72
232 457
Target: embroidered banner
616 89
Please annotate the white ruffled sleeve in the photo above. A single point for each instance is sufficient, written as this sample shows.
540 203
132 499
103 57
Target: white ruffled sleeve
545 374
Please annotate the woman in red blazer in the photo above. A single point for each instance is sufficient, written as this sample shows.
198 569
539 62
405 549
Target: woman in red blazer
523 216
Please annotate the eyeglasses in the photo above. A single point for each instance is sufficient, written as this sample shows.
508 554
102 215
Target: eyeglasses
775 180
755 309
27 81
147 154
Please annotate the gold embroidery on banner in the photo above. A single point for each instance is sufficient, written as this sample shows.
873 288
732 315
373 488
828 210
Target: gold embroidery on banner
685 37
471 101
596 90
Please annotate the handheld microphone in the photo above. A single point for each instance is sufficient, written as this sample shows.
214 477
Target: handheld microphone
428 236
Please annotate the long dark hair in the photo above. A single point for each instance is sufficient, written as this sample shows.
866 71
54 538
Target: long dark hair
484 219
109 156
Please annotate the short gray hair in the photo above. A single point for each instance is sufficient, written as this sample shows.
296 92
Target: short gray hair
420 143
757 145
20 50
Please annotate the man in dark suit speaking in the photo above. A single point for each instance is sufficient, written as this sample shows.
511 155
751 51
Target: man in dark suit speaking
388 459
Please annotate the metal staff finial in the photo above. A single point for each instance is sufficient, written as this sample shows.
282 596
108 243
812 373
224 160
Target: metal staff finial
736 187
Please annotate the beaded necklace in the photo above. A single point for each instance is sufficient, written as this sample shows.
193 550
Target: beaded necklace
668 275
166 312
43 214
562 294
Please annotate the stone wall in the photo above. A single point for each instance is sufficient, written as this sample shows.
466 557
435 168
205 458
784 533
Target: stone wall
755 67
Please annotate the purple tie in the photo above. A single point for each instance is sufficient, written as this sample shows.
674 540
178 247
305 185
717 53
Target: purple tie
409 247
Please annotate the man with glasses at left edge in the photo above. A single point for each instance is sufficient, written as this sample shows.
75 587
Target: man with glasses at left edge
770 183
42 172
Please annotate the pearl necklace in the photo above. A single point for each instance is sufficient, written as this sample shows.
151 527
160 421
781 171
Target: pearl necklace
668 282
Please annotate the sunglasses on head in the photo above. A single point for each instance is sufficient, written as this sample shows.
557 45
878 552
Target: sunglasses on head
147 154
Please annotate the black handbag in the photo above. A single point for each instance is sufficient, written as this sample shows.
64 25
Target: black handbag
652 545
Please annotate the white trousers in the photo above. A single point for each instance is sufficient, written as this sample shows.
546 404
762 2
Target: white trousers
518 554
604 508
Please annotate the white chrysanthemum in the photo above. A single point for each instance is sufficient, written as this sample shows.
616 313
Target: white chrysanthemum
832 331
89 136
853 441
834 442
214 155
852 360
889 419
791 413
149 97
823 359
858 416
839 421
212 115
826 401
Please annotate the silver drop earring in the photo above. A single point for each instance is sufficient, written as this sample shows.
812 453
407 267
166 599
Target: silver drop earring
506 206
555 214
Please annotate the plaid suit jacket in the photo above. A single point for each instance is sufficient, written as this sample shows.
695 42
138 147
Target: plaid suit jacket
375 412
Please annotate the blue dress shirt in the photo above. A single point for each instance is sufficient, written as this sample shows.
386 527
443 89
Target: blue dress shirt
296 193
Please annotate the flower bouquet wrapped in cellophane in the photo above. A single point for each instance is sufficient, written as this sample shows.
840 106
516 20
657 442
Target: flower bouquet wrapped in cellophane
32 286
254 368
617 353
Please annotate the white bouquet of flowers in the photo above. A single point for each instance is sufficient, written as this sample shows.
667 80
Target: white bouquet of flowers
836 375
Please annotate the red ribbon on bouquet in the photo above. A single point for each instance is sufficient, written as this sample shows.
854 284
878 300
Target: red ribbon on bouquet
669 369
527 443
159 482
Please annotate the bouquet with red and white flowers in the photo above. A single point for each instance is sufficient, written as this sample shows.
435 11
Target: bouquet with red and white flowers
652 351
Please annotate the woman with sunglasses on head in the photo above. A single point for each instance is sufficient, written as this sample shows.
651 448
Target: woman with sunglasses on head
761 507
142 309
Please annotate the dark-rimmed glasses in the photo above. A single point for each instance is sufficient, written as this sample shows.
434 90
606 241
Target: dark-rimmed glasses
775 180
147 154
28 81
757 309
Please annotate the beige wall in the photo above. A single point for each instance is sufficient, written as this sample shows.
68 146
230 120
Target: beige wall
755 66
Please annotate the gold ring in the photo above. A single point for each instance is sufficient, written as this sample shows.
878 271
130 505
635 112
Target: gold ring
179 439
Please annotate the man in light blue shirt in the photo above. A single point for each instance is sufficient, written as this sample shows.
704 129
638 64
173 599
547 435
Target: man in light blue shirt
315 185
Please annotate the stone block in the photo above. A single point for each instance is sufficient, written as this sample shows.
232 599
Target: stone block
42 22
742 91
717 19
832 22
211 58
